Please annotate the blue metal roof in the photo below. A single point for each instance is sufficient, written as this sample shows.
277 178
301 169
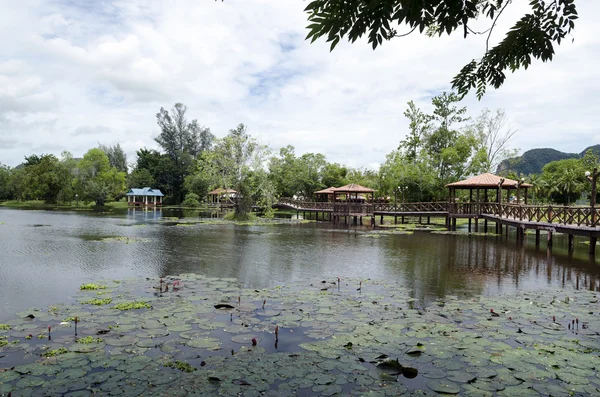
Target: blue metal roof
145 192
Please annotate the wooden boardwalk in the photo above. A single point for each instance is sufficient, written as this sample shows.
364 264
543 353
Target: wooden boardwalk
572 221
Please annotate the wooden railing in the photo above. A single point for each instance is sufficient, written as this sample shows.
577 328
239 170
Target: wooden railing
579 216
352 208
412 207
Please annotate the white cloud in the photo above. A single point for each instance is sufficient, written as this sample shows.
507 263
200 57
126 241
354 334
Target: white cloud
73 74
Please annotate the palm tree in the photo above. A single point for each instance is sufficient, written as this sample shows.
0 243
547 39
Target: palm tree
568 183
537 188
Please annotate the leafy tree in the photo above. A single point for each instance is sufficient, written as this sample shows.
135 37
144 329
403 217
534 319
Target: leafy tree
494 135
96 180
420 126
236 157
310 169
44 177
565 179
191 200
116 157
141 177
182 142
334 174
5 175
283 171
532 36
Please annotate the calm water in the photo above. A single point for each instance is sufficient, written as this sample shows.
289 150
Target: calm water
45 256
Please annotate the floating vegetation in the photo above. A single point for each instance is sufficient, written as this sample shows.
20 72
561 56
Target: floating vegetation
55 352
132 305
126 240
302 340
91 287
5 327
89 339
98 302
180 365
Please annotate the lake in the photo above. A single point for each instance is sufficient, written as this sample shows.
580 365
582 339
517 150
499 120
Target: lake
46 255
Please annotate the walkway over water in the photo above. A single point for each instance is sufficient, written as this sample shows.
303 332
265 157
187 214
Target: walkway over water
573 221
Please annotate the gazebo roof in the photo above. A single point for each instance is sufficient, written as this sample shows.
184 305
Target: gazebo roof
352 188
220 190
486 180
147 191
328 190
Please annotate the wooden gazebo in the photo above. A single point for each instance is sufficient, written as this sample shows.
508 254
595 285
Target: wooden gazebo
348 202
479 183
219 194
485 183
325 195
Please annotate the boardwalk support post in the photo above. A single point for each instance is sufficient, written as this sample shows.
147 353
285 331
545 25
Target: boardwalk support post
593 241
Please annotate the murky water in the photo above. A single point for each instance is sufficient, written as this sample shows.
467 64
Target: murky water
45 256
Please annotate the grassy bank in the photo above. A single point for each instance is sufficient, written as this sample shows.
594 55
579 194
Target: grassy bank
40 204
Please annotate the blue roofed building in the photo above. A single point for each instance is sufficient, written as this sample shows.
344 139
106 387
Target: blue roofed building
144 197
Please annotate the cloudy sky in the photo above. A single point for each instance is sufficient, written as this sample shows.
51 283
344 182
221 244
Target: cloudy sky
75 73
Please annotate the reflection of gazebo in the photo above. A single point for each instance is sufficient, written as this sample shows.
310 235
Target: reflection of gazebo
324 195
485 183
219 194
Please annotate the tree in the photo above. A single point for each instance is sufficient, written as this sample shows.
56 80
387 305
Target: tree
283 171
236 157
96 180
494 135
5 174
116 157
420 125
182 142
44 177
532 36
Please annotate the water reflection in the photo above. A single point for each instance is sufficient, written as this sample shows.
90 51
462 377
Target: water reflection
41 265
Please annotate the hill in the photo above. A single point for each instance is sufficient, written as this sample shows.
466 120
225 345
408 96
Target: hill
532 161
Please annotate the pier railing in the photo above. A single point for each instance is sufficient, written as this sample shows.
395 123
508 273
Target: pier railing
562 215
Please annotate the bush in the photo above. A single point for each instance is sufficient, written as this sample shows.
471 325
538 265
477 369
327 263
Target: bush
191 200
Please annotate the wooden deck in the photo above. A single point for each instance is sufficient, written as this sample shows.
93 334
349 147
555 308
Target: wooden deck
573 221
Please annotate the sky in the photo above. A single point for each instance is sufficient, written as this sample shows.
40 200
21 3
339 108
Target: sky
78 73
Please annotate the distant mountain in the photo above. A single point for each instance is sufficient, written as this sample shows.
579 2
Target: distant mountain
532 161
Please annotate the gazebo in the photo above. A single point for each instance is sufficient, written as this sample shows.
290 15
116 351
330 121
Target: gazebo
145 196
486 182
218 194
353 205
325 195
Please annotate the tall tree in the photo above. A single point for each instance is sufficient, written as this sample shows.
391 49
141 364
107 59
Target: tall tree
5 174
420 126
182 142
96 180
532 36
236 157
494 136
45 177
116 156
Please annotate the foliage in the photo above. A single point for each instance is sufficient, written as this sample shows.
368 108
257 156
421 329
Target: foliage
182 142
91 287
96 180
116 157
493 135
55 352
191 200
180 365
132 305
5 327
98 302
532 36
89 339
44 177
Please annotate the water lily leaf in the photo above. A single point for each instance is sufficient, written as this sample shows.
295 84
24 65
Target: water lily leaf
442 386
